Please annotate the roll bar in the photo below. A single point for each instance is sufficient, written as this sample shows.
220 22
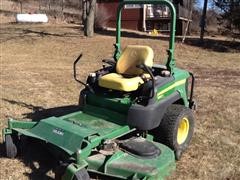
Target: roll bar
170 61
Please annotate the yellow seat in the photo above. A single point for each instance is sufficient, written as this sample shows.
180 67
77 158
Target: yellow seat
118 82
131 56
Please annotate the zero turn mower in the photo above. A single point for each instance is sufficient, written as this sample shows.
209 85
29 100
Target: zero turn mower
135 120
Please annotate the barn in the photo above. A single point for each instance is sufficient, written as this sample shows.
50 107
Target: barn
148 17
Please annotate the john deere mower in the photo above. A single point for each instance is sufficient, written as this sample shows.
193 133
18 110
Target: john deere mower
135 120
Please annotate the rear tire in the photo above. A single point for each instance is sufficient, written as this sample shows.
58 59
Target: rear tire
176 129
10 146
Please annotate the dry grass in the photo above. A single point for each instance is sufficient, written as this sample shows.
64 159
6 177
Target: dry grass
36 71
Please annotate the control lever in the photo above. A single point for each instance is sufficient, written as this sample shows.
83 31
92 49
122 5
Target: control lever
75 74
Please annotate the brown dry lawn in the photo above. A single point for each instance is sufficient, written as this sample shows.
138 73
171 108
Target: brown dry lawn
36 72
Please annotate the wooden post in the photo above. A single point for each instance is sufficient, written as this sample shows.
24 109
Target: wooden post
144 18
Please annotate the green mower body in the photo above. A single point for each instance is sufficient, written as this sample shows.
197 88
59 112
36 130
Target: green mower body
81 135
118 134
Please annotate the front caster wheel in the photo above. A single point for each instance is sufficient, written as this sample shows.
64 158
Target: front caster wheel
82 174
10 146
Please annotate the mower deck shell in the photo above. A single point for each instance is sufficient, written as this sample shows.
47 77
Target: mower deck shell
79 133
68 132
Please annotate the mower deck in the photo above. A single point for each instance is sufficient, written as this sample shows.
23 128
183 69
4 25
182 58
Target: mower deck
68 132
85 131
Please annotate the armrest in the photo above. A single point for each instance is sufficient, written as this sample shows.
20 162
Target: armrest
111 62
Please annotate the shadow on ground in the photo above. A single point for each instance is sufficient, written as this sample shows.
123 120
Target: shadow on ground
37 156
20 31
212 44
2 150
39 112
39 160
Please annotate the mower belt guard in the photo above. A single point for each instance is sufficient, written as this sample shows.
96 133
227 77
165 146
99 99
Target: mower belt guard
125 165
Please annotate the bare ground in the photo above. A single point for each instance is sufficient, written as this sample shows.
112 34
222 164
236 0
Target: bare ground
36 74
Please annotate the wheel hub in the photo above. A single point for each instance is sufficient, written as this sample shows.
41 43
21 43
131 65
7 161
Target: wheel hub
183 129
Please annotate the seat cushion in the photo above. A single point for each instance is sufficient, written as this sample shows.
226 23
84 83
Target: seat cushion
118 82
132 56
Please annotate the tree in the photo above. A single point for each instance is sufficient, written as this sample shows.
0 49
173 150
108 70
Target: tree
88 16
229 14
203 20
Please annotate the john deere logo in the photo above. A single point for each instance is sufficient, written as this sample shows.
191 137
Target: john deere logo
58 131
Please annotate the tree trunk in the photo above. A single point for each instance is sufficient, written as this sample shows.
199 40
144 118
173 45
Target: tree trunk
20 2
49 4
62 5
89 22
203 20
84 11
39 5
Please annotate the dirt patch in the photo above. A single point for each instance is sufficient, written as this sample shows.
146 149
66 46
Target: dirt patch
36 75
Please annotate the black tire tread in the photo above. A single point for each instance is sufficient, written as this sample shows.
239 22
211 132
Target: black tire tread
10 146
82 175
168 127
